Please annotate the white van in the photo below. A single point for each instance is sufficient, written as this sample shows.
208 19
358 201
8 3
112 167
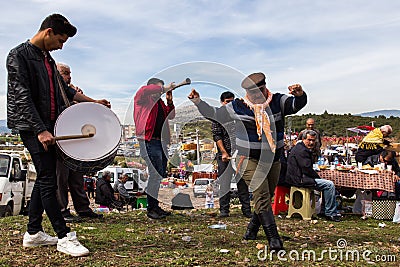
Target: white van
137 181
16 184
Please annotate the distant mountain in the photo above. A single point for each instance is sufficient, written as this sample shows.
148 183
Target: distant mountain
185 114
385 112
3 127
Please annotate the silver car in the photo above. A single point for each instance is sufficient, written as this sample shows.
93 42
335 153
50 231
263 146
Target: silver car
200 186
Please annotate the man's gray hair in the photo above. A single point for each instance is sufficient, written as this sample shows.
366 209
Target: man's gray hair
386 128
308 132
106 173
62 65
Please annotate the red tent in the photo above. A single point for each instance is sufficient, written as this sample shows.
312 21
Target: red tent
363 129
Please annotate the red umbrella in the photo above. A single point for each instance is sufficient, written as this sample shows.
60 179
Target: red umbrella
363 129
366 127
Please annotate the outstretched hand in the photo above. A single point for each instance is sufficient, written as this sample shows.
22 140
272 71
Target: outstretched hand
193 94
168 96
169 87
103 102
295 90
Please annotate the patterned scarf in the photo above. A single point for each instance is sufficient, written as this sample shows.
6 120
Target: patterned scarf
262 119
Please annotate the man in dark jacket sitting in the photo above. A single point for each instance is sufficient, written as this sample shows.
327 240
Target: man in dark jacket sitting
105 192
119 187
300 173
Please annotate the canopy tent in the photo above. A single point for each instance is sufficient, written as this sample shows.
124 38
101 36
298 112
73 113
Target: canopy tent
204 168
363 129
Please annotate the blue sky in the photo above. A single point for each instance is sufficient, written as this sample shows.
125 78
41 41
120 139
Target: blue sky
344 53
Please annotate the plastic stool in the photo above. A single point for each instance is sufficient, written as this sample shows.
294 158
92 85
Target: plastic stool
302 202
141 202
279 204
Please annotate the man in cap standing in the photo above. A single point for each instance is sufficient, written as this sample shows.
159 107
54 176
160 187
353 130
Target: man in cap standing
259 119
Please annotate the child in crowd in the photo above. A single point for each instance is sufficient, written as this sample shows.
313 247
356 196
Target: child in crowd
209 197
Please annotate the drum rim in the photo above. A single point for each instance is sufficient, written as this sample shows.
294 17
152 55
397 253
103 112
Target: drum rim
98 158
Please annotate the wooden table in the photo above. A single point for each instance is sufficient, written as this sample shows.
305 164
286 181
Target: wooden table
384 180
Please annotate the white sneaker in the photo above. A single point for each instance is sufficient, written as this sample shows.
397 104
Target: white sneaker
38 239
71 246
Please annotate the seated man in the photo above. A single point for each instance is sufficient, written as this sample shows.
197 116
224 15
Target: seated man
373 143
300 173
387 157
119 187
105 193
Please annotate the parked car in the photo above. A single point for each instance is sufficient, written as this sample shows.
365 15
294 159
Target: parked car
16 184
200 186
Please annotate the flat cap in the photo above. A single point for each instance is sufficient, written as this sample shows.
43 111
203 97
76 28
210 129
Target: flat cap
254 80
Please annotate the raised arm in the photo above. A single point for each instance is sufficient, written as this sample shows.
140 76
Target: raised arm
292 104
204 108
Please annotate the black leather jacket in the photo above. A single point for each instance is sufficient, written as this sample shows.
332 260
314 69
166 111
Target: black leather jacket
28 96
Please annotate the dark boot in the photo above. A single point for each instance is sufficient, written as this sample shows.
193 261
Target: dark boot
244 198
224 203
268 223
252 228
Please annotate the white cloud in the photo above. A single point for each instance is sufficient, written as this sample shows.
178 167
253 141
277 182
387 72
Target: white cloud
342 52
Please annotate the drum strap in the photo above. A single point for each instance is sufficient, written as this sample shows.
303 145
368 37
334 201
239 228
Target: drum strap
62 91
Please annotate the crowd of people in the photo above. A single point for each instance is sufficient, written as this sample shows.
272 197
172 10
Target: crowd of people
39 90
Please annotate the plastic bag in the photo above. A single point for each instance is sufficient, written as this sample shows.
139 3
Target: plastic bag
396 217
361 195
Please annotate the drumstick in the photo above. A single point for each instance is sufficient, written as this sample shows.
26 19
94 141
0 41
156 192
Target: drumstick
76 136
185 82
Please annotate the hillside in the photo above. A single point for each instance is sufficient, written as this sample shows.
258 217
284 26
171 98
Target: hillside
385 112
328 124
334 124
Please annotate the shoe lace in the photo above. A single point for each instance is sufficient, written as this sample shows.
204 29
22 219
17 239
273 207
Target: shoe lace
74 241
43 235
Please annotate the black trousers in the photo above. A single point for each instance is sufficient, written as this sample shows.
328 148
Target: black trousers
73 180
225 174
44 191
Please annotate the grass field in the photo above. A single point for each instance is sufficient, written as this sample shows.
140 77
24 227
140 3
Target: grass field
184 239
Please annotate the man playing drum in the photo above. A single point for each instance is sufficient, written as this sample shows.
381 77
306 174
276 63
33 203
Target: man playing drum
33 104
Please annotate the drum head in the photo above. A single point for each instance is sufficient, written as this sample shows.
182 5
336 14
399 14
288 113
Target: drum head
108 131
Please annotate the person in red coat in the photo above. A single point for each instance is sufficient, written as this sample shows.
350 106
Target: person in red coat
151 117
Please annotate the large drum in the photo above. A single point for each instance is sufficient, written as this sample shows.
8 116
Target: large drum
88 154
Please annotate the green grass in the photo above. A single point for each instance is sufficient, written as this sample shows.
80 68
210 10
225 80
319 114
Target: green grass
131 239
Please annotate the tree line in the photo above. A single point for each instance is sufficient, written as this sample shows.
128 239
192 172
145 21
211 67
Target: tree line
336 124
328 124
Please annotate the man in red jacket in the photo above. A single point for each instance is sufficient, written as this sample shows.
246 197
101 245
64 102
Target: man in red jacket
151 117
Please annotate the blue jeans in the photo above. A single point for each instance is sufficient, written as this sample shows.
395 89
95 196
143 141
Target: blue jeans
328 189
154 153
44 191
